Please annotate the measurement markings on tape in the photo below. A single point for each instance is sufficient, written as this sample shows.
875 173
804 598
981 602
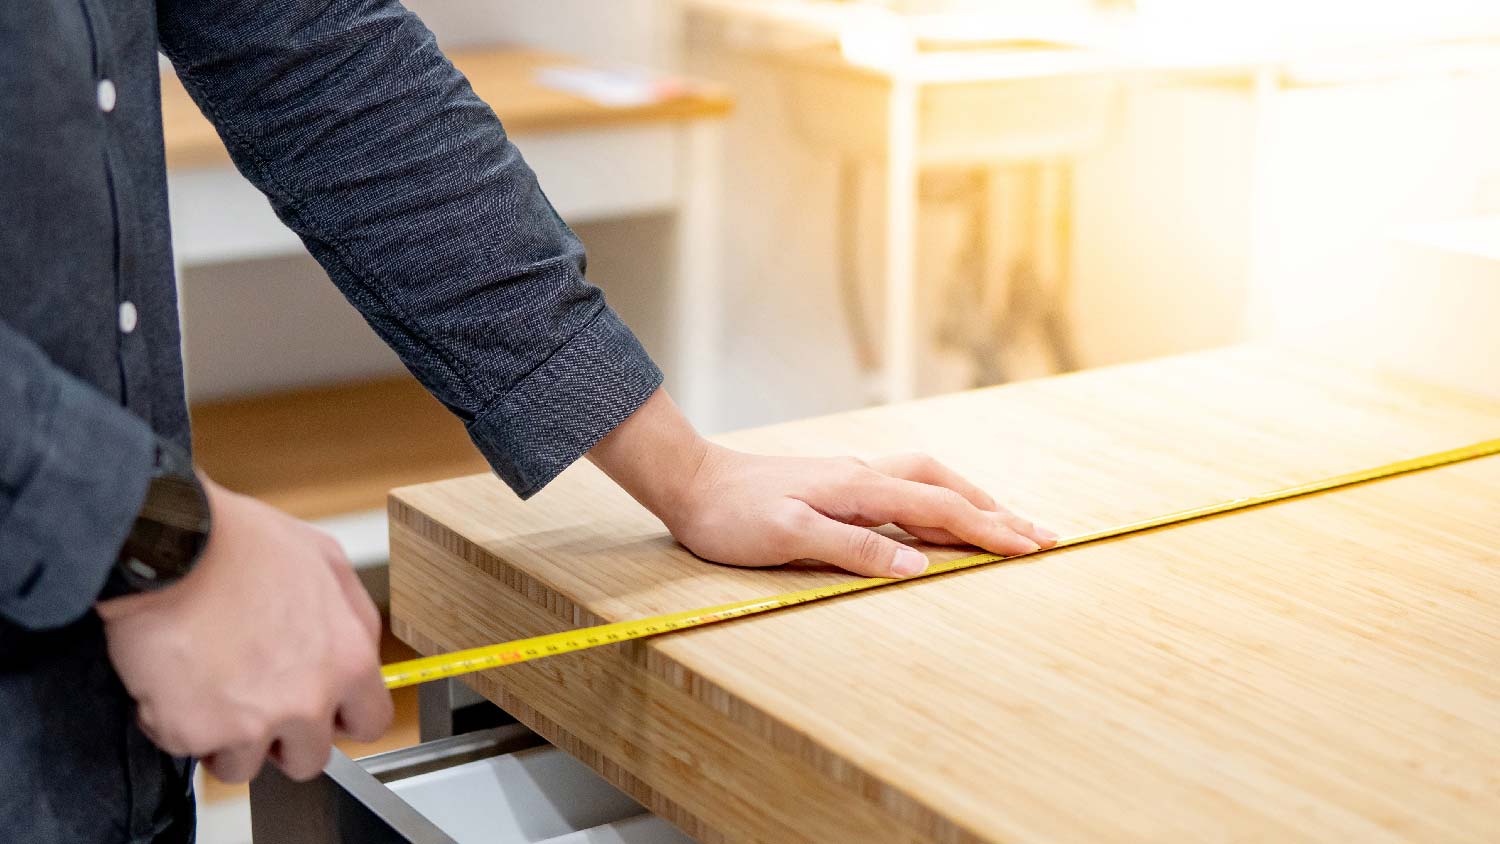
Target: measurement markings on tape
442 666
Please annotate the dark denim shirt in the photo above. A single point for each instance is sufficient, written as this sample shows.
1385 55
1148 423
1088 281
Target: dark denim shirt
400 182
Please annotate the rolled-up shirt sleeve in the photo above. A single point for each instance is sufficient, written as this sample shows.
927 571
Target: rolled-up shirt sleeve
74 466
402 183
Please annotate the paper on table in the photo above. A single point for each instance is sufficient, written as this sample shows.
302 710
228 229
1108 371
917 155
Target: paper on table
619 87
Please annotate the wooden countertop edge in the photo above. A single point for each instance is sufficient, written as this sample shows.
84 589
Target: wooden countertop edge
401 511
560 737
648 655
191 143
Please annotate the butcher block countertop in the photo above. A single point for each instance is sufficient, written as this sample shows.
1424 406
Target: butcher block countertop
1325 669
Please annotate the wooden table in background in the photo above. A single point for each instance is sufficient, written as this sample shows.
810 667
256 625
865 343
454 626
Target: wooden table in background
1317 670
327 451
505 78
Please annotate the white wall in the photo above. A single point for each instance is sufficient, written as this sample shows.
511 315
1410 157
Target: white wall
262 326
631 31
1433 313
1208 220
258 326
1347 165
790 353
1162 227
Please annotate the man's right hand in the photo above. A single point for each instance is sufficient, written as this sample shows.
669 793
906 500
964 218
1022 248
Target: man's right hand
266 649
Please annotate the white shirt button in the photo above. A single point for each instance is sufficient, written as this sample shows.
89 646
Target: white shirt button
129 317
106 96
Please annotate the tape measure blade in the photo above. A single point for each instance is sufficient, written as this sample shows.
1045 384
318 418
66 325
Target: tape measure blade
442 666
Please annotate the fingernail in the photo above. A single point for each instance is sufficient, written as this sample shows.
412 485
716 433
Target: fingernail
908 562
1046 535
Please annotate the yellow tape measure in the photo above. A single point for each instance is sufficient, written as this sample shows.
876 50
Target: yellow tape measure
442 666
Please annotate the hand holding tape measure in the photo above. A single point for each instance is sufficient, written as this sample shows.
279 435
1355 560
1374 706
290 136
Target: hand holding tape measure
442 666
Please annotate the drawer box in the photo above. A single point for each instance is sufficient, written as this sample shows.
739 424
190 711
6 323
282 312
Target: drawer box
498 786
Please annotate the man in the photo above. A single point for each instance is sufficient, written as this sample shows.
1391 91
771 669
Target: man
148 616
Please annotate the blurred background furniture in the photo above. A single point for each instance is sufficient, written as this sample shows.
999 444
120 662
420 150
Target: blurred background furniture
1010 95
1042 186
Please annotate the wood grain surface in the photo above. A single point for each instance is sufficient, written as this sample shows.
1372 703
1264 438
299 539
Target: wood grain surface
1317 670
505 78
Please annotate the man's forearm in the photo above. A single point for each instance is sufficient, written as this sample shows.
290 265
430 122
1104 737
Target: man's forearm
653 455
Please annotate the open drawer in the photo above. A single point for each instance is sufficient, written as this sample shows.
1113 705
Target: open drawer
499 786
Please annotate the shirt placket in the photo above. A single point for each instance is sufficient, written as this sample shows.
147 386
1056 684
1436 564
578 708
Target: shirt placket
130 349
141 788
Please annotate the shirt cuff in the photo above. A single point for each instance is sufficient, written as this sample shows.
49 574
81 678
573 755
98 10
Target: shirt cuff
92 460
565 406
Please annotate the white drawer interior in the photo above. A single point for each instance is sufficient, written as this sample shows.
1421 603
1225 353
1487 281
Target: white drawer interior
531 797
641 829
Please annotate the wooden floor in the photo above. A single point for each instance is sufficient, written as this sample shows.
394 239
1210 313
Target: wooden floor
331 450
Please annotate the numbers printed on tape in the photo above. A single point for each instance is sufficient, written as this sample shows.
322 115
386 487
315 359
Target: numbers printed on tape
442 666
